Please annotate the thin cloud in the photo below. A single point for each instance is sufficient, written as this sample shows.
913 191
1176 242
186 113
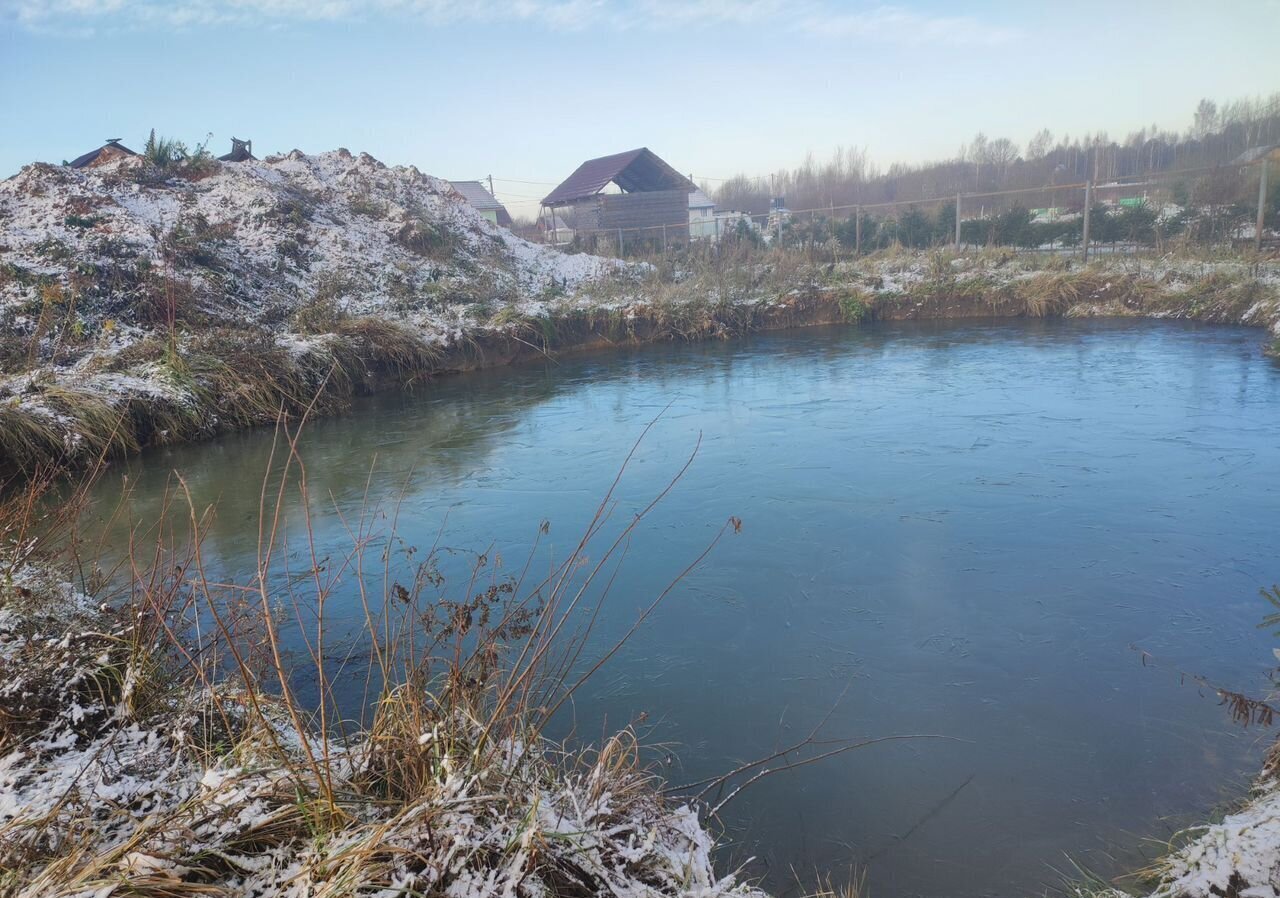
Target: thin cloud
891 24
895 24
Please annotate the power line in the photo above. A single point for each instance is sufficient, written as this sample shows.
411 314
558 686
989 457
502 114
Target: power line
518 181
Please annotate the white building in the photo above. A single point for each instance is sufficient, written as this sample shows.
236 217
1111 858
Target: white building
702 215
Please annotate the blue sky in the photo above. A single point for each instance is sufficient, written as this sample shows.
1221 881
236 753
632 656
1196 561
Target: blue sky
526 89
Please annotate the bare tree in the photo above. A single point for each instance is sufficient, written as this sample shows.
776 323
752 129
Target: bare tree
1040 145
1003 152
979 152
1206 119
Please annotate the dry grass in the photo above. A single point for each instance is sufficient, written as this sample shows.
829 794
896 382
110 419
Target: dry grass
39 517
386 346
1053 293
212 380
52 425
1220 295
853 885
27 438
242 382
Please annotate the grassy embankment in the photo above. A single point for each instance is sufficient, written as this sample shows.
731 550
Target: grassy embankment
191 377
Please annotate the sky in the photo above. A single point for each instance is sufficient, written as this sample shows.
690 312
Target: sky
525 90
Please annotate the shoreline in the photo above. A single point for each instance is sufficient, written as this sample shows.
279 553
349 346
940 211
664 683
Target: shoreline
223 380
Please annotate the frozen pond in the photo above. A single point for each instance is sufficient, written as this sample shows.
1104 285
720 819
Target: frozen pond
968 525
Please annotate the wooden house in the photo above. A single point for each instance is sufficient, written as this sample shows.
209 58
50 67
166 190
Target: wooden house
635 192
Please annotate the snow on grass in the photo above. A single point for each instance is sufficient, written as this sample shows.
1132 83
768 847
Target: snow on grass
106 786
1239 856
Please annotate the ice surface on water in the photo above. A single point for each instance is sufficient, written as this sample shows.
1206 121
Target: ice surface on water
969 523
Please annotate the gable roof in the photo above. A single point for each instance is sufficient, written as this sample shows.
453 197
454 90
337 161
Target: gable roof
1254 154
114 145
475 194
634 171
699 200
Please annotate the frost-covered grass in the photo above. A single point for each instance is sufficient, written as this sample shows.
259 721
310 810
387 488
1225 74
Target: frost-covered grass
1236 857
936 284
154 741
146 387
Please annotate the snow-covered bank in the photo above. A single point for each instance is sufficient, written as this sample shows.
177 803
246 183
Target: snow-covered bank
123 771
1238 857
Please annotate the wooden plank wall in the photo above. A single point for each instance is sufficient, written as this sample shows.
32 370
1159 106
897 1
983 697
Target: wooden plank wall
647 209
644 212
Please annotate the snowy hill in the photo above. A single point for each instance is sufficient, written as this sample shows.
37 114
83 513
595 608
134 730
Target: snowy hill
259 239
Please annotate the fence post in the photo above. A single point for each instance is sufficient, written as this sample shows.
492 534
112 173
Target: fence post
1088 201
664 240
957 221
857 231
619 243
1262 205
831 232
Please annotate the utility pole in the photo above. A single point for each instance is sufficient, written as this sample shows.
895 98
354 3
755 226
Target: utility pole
831 228
1088 201
777 211
957 221
1262 205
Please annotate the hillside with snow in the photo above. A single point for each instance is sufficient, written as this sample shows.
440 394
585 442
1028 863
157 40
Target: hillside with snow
253 241
143 305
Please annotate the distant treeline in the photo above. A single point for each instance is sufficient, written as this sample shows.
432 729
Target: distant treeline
1015 226
1218 135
